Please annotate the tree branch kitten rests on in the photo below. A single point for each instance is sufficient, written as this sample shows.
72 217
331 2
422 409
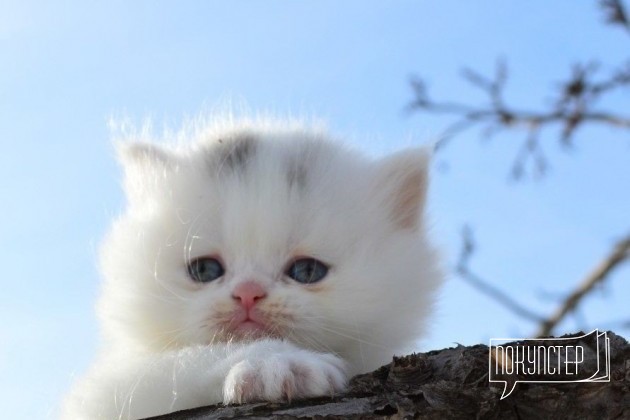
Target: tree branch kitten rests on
258 261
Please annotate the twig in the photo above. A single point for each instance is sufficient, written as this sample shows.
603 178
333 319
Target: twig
620 253
616 13
462 269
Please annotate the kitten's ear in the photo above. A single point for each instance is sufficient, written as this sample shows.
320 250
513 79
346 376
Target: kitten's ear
403 179
142 154
145 166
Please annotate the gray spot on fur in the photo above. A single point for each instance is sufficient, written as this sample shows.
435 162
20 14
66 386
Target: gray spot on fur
298 166
233 154
296 176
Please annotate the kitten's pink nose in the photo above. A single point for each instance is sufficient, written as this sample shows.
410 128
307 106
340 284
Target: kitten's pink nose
248 293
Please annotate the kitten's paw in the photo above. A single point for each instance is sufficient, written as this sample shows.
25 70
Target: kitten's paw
279 377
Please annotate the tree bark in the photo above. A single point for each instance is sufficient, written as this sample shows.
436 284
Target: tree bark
452 384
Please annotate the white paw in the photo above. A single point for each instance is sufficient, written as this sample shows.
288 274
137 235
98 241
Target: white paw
284 376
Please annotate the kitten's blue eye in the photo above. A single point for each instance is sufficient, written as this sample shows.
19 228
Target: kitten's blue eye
205 269
307 270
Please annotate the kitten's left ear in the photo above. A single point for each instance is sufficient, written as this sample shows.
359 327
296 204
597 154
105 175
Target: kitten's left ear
403 177
142 154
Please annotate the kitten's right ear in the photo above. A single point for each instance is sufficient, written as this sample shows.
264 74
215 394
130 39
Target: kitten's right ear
145 166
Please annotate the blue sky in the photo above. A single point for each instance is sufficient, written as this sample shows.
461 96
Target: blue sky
67 67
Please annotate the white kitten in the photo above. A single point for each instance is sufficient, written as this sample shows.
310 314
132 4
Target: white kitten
260 262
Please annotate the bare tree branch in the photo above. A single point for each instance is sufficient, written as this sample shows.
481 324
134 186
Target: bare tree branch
463 270
573 108
576 104
616 13
620 253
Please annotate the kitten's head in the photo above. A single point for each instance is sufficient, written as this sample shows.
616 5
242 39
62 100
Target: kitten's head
270 230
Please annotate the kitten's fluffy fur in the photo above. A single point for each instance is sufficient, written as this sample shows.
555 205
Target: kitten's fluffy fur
257 195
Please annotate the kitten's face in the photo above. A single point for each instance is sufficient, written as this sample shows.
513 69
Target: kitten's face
279 235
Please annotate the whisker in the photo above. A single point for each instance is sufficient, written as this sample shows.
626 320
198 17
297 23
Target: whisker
349 336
